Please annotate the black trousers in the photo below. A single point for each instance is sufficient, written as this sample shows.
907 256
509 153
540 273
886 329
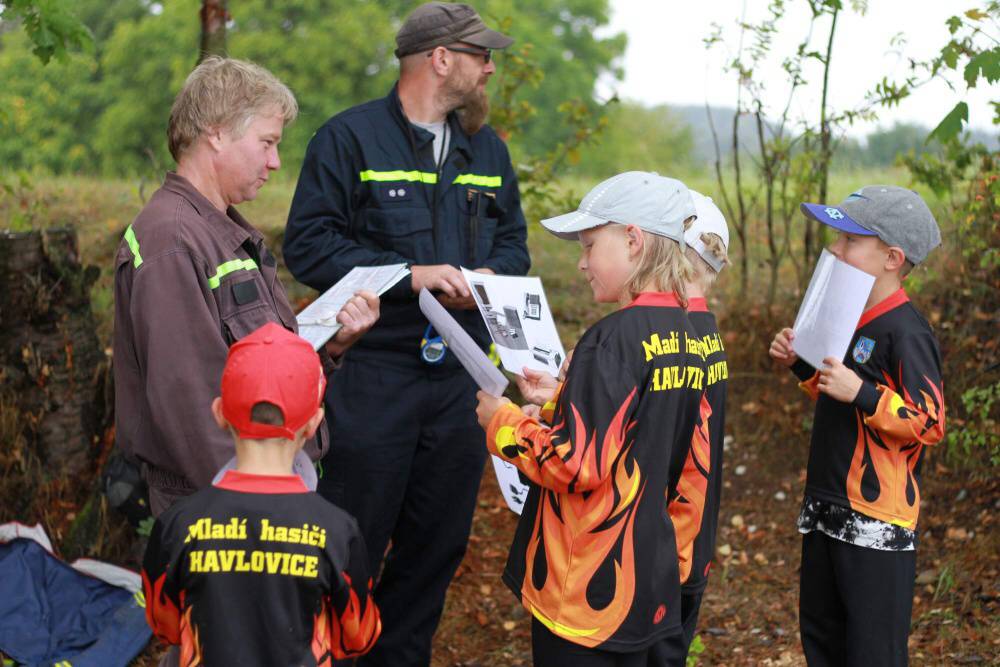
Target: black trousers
690 606
673 650
550 650
406 459
854 603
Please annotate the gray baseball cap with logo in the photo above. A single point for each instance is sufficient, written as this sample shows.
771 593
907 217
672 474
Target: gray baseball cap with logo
434 24
651 202
896 215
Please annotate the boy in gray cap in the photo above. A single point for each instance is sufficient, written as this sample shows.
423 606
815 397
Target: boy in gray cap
875 411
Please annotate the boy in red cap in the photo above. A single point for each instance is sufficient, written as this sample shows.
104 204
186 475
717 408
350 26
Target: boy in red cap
256 569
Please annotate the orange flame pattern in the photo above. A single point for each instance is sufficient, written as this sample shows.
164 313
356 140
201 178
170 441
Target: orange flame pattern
811 386
190 645
888 449
167 622
162 614
352 633
584 524
688 505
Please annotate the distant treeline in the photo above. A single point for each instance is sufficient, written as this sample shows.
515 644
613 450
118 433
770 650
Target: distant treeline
877 149
106 112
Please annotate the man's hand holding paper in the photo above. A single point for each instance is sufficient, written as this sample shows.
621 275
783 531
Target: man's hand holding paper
356 317
461 302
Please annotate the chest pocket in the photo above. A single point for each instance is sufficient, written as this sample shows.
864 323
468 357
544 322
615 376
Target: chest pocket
243 305
482 214
403 229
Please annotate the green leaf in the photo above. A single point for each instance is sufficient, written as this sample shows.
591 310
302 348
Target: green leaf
954 23
145 527
949 55
985 64
951 125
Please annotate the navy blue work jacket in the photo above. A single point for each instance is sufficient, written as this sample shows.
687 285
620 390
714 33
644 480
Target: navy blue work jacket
369 194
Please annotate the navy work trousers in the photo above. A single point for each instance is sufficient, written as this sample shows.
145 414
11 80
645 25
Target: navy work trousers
406 459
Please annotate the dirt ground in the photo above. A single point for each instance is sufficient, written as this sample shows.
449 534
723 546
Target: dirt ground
749 614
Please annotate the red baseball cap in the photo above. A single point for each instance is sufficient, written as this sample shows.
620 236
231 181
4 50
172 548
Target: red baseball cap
271 365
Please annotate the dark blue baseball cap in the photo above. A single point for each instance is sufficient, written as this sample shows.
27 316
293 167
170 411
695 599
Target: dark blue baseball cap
836 217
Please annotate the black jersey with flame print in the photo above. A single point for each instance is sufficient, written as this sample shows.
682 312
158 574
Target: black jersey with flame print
867 455
257 571
687 504
594 558
696 545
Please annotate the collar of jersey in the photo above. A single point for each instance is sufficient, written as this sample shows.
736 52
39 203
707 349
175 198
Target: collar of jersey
697 304
894 300
663 299
245 482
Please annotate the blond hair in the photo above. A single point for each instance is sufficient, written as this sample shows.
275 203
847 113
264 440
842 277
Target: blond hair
664 265
225 93
704 271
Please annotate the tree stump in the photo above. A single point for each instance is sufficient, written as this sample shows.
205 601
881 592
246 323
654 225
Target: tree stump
52 367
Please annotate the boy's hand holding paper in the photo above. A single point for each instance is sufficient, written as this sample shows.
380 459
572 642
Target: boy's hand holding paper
781 348
838 381
536 387
488 406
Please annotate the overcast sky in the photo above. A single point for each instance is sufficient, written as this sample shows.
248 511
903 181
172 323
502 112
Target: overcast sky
666 61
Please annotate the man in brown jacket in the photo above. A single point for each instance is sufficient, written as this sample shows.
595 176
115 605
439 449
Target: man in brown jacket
193 276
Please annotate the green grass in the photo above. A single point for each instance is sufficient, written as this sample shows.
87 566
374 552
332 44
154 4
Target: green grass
101 209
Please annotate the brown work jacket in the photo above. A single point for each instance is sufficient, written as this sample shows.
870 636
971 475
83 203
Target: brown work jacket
189 282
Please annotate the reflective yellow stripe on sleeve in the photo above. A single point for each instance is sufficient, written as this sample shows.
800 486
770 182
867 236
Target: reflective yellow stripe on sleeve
399 175
225 269
140 598
133 244
478 179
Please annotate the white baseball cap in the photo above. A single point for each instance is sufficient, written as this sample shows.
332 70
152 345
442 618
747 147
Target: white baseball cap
710 221
651 202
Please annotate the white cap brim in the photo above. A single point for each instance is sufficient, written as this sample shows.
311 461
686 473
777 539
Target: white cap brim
569 225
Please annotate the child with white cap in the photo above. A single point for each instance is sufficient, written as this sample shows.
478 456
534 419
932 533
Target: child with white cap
594 559
695 508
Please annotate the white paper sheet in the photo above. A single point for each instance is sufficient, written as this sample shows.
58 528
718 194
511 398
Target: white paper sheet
518 318
474 360
514 491
318 321
486 375
831 309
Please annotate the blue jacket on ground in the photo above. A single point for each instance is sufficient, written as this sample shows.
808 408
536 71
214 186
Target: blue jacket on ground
51 613
369 194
